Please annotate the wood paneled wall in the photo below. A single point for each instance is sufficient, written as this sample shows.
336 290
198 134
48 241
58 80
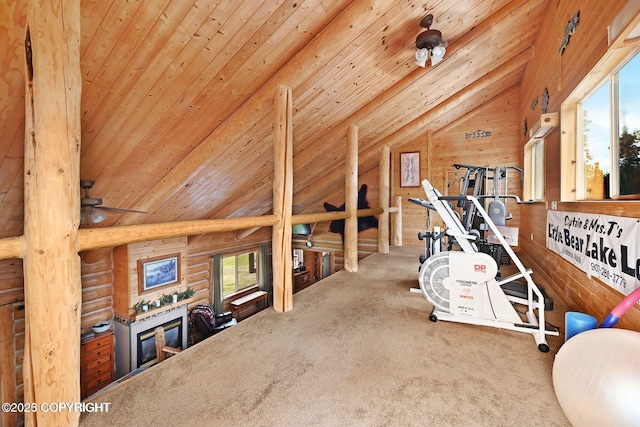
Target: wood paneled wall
126 270
451 145
560 75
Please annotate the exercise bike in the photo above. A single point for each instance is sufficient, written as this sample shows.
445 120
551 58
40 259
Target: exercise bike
463 286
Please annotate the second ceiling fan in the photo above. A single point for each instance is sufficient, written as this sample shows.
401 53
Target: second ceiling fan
91 209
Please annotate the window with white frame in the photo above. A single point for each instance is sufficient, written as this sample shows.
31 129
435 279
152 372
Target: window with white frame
534 170
607 135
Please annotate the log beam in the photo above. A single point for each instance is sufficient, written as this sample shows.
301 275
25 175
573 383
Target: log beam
351 202
53 288
94 238
282 201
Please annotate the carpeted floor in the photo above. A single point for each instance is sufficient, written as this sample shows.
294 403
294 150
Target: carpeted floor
356 350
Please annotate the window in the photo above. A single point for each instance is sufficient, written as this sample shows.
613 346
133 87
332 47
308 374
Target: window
298 258
607 131
239 272
610 137
534 170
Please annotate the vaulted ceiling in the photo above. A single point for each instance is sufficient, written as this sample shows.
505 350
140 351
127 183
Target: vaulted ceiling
177 97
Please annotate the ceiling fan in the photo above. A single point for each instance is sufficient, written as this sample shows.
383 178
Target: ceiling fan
91 209
429 43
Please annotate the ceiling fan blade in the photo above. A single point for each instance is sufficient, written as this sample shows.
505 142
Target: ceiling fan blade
108 208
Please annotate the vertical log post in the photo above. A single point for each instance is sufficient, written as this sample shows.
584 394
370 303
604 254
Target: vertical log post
351 202
52 283
383 219
282 201
397 229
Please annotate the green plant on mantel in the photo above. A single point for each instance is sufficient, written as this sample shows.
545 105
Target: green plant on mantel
164 300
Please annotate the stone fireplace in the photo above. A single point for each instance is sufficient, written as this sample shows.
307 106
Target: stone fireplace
136 346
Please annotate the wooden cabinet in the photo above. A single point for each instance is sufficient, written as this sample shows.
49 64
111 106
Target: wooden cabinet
301 280
96 363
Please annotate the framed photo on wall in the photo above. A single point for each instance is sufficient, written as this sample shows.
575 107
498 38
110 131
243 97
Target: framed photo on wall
410 169
158 272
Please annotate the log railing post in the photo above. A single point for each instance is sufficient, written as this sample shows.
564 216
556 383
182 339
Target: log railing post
383 219
351 202
282 201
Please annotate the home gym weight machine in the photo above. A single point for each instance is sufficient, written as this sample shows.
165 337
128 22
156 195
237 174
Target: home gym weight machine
464 286
476 182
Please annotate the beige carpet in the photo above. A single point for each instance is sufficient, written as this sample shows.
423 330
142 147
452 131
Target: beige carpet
357 350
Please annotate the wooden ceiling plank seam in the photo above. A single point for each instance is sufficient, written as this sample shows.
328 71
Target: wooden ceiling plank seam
170 126
476 111
109 55
350 21
139 64
225 83
405 84
94 17
361 50
453 48
222 89
140 128
105 96
121 92
395 119
417 125
466 61
409 130
238 180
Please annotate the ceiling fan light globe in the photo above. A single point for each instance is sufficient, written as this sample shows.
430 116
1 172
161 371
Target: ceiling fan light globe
90 216
422 55
437 53
97 216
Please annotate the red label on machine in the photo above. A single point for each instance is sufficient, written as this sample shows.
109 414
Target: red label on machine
482 268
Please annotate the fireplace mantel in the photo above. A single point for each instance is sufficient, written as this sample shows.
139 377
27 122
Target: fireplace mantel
156 310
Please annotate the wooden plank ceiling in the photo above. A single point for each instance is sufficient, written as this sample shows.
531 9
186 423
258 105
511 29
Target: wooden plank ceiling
177 104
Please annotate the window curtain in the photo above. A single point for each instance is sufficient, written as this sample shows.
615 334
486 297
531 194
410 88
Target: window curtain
264 270
216 283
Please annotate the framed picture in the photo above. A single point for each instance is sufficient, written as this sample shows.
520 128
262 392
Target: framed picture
158 272
410 169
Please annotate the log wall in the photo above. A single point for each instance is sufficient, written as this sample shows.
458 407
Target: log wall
204 247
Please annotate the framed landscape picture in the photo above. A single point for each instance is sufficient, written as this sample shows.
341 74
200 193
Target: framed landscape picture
158 272
410 169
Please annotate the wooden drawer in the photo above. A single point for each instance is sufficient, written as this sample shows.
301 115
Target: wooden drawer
98 343
102 362
99 381
98 353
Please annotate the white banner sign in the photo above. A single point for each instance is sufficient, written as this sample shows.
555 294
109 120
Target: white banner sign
605 247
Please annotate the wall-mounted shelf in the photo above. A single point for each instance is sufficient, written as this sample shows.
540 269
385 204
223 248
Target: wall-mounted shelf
544 125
